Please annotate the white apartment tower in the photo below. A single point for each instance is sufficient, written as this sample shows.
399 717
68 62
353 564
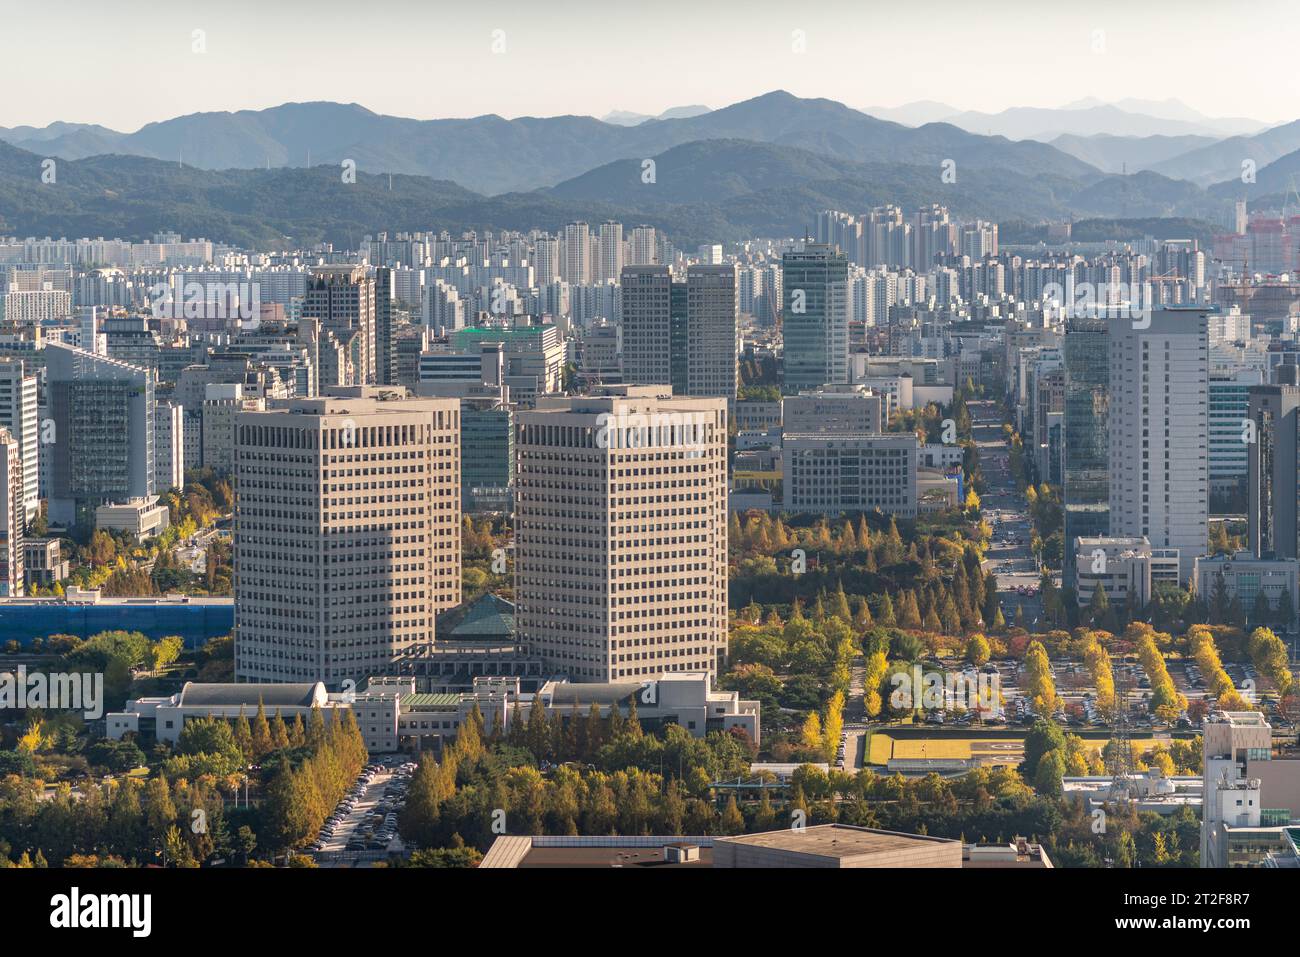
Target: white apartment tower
12 518
575 253
168 445
1159 431
644 247
611 251
346 532
19 414
621 533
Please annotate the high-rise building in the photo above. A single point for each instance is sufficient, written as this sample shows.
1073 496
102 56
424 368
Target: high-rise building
168 445
12 517
1086 469
19 414
611 251
711 316
621 533
346 532
1229 408
385 303
643 247
575 255
342 297
647 324
1158 431
815 318
102 413
1274 461
546 255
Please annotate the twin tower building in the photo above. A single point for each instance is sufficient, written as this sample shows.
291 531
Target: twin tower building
347 533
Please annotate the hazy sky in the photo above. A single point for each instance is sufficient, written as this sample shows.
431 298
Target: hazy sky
127 63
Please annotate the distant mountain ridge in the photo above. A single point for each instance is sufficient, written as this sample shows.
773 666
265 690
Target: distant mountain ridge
492 155
712 190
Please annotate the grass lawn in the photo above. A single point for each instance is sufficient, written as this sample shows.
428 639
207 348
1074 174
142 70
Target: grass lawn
882 747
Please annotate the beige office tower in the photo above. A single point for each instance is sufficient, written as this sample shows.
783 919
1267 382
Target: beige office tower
621 533
346 532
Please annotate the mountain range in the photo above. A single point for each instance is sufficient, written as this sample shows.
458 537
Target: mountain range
764 166
493 155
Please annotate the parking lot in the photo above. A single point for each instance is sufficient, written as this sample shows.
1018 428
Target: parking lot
364 825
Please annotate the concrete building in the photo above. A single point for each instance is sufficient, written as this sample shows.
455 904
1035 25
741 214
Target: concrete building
835 846
832 473
621 533
683 699
13 518
835 408
647 324
222 402
140 517
342 298
1124 567
1244 576
163 718
19 414
168 446
711 315
1251 792
1158 431
43 562
346 532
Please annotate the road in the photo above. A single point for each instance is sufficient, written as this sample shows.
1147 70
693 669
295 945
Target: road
1009 556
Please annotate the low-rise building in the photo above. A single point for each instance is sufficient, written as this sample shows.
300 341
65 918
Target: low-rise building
1124 567
850 472
1244 576
683 698
43 562
1251 793
393 715
142 517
